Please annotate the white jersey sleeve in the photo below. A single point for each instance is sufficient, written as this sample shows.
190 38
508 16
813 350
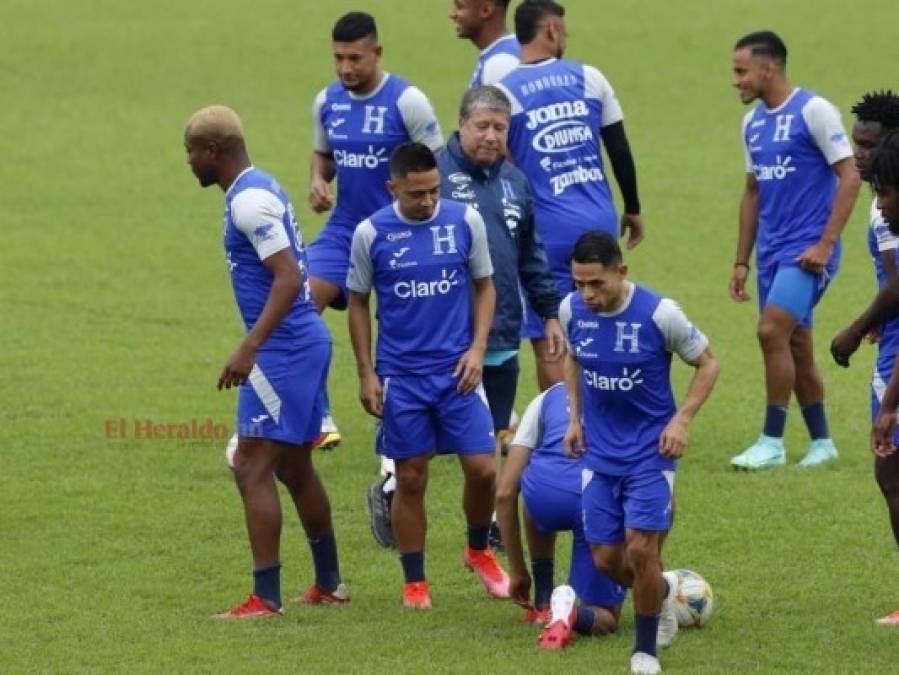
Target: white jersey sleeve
597 86
681 336
823 121
259 215
360 276
319 135
419 118
886 240
530 428
746 156
496 67
479 258
517 108
565 318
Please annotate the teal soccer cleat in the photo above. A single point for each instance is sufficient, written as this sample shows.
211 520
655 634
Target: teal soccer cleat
766 453
820 451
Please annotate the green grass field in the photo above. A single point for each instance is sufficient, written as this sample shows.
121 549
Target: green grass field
116 304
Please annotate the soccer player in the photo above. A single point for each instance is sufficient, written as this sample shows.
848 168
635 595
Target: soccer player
801 185
550 484
357 122
617 372
473 171
877 115
563 113
280 366
484 23
428 262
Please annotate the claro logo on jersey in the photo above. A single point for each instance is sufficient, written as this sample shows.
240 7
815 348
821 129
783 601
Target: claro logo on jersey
626 382
361 160
427 289
564 130
782 167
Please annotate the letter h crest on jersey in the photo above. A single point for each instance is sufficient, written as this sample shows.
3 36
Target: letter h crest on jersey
448 237
630 335
374 119
782 128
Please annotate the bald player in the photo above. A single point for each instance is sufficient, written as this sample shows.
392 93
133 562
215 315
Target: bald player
280 365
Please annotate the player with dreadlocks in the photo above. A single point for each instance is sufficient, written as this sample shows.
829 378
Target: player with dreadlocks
876 116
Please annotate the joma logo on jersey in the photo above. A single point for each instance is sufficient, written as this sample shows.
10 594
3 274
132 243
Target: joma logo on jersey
626 382
776 171
564 110
562 136
361 160
427 289
581 174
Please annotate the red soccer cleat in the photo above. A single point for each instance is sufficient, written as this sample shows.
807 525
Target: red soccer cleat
563 612
889 619
535 616
416 595
484 564
254 608
318 596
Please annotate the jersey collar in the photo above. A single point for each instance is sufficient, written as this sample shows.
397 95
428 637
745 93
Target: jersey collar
402 218
236 180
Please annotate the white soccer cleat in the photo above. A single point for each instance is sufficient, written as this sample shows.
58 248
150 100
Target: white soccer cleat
668 616
230 451
644 664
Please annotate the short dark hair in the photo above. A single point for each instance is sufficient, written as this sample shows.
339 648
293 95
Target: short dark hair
764 43
885 163
411 157
878 106
597 246
530 13
355 26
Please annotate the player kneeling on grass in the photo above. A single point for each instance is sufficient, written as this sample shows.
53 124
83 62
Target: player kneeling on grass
280 366
551 485
422 256
626 427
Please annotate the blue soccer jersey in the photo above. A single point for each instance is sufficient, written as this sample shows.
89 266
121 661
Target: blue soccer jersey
421 273
625 360
542 428
496 61
790 150
259 222
558 110
360 132
880 241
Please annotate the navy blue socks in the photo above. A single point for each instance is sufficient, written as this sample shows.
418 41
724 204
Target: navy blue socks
775 421
816 421
477 537
267 585
647 625
324 557
542 569
413 566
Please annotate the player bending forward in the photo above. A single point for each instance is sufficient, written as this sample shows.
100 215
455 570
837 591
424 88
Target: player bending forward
551 486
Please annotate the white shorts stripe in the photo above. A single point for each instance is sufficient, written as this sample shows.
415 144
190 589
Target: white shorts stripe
266 393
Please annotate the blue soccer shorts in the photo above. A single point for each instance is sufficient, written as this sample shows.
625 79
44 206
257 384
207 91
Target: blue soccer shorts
613 504
792 289
328 258
282 398
883 369
424 413
553 510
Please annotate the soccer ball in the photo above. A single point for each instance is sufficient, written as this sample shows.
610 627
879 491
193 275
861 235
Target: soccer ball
694 600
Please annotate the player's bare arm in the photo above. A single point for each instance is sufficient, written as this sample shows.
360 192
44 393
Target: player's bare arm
816 257
885 306
507 517
884 428
322 171
555 340
286 285
574 437
359 317
673 440
749 221
471 365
